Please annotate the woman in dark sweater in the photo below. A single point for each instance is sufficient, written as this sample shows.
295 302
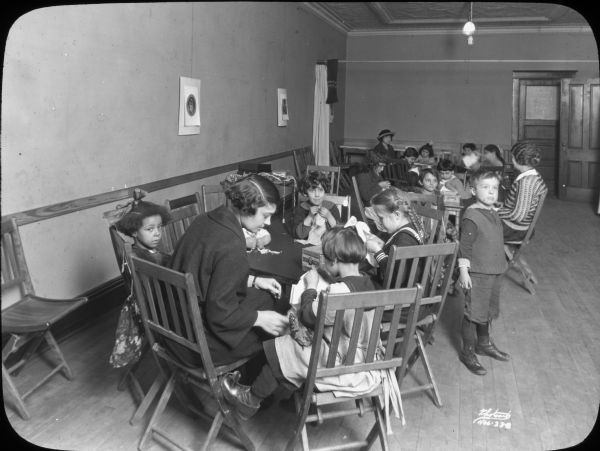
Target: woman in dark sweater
237 308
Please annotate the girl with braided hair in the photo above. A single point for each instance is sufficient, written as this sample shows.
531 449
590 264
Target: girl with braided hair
525 192
393 215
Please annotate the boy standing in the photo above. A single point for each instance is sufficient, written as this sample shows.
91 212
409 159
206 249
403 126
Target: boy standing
481 263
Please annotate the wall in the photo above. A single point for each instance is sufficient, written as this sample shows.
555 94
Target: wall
449 102
90 105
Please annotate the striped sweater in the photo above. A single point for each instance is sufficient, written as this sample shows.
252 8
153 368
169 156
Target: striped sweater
522 200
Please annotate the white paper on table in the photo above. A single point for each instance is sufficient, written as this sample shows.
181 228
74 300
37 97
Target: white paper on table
300 287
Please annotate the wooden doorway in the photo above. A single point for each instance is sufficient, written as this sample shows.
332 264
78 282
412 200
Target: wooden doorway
536 117
579 160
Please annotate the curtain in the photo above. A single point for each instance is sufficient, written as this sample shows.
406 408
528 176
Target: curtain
321 117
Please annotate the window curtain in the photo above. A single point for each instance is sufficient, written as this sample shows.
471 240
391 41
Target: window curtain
321 117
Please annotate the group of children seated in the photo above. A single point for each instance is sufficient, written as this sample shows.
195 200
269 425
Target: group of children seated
481 261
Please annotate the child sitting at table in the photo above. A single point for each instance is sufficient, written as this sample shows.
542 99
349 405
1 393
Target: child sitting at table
481 263
314 215
426 156
144 223
492 157
287 360
449 183
371 182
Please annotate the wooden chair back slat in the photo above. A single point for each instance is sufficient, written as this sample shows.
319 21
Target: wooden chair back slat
343 205
213 197
359 201
434 223
354 336
14 266
302 158
335 338
191 200
333 175
176 227
375 333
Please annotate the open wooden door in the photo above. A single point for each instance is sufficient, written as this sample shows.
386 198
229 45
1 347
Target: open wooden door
579 156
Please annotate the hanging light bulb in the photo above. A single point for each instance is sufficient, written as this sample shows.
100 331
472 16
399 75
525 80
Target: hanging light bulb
469 27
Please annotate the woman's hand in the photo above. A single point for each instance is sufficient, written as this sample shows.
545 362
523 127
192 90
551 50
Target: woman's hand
268 284
384 184
374 244
464 279
271 322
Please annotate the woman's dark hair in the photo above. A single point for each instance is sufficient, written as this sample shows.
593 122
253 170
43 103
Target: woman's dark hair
133 219
526 153
411 152
445 165
471 146
427 146
252 192
493 148
343 244
312 180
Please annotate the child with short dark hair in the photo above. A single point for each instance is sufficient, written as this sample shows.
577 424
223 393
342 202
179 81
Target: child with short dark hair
144 223
426 155
481 263
371 182
449 182
287 360
315 212
471 157
492 157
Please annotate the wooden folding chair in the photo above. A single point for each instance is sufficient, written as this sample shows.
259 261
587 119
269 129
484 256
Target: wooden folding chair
359 201
171 313
336 160
434 223
357 316
194 201
27 322
213 197
397 173
181 218
514 251
343 204
333 175
431 266
302 158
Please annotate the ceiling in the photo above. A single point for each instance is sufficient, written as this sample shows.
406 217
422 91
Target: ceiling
430 17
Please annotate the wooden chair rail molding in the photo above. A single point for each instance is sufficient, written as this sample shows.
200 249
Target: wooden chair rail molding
83 203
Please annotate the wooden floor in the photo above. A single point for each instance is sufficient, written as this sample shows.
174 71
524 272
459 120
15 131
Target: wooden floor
551 387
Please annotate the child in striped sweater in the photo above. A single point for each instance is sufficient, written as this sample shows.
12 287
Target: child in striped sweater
525 193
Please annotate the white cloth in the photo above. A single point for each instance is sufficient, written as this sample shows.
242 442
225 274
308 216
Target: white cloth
321 117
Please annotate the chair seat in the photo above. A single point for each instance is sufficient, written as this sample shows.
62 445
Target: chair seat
36 314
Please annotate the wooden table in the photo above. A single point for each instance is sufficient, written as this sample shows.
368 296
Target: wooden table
286 267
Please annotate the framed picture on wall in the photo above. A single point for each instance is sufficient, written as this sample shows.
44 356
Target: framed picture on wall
282 107
189 106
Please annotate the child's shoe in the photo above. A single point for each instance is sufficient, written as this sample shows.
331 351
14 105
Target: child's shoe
468 357
491 350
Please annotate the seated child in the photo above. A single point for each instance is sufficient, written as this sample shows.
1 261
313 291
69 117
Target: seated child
470 158
481 263
492 157
449 182
394 215
144 223
315 215
287 360
371 182
411 156
426 156
428 181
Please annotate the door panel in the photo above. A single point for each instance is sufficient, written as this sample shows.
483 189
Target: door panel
579 161
538 114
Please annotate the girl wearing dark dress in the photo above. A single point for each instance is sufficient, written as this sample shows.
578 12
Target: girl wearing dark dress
237 308
371 182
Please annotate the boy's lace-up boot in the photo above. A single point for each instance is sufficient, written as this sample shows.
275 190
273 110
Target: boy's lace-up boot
487 347
468 357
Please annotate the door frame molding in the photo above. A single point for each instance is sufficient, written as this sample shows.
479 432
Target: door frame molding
519 75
